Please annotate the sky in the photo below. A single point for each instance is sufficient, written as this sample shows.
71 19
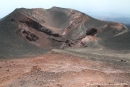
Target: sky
86 6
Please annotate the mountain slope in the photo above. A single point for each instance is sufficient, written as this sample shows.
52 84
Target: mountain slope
33 31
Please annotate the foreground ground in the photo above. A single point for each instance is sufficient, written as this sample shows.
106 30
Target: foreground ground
60 69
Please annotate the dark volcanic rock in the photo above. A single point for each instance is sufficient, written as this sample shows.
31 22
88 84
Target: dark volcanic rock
32 31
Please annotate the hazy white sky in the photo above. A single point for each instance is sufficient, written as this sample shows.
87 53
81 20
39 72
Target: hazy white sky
116 6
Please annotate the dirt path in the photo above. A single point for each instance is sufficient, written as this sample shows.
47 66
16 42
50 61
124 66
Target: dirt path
56 69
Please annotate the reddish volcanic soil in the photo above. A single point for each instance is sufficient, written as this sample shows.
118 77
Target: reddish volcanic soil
61 70
98 55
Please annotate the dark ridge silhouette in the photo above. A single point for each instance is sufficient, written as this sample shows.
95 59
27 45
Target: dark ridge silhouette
34 31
